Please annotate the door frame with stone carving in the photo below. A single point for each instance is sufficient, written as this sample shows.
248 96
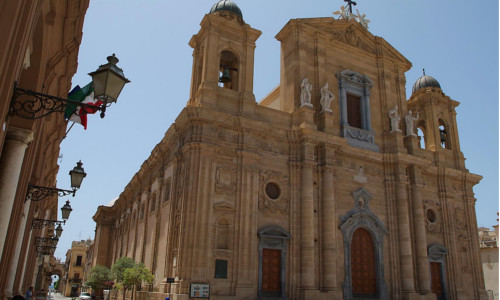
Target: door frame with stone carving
437 254
362 217
275 238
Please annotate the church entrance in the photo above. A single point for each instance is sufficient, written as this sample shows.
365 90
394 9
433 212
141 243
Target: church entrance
271 272
437 280
364 278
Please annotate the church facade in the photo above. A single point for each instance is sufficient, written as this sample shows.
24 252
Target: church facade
322 190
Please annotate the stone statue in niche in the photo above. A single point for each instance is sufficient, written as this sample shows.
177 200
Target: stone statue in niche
410 123
326 98
395 118
305 93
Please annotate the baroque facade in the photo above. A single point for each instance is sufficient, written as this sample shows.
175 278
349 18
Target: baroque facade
322 190
39 51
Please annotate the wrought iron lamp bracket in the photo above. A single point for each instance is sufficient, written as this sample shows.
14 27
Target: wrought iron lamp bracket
40 223
38 105
37 193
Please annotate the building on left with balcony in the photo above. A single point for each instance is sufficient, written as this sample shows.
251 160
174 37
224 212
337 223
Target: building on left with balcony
76 263
39 51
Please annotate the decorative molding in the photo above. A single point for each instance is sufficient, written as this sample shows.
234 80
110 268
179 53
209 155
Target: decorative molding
349 36
280 204
435 227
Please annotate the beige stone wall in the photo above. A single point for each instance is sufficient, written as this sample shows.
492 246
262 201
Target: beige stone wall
224 149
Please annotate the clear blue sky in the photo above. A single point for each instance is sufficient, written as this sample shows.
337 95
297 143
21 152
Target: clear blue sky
456 41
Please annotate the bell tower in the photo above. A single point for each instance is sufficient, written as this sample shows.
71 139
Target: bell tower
436 126
223 60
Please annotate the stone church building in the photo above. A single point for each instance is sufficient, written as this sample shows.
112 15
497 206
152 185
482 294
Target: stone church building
321 190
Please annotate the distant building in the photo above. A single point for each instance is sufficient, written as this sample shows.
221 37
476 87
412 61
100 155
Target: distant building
75 264
316 191
488 241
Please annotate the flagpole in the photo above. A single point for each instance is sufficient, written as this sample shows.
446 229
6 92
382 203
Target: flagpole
66 134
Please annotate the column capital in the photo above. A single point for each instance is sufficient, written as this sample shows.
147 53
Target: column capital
21 135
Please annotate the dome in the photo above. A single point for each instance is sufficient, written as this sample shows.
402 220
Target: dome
425 82
226 5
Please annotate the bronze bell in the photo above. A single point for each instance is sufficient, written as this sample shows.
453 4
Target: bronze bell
226 76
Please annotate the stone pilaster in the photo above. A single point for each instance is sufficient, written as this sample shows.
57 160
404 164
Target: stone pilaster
422 259
307 228
329 231
16 142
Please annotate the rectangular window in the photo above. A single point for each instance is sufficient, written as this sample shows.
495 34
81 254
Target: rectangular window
76 276
220 268
79 260
354 111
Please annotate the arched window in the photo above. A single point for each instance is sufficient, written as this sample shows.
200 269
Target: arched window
421 135
168 187
443 135
152 204
228 70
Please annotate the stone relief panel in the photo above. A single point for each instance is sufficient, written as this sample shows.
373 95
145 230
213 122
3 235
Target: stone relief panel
225 181
349 36
433 219
460 219
274 192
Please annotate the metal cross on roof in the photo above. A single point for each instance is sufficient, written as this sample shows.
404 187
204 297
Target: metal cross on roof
350 3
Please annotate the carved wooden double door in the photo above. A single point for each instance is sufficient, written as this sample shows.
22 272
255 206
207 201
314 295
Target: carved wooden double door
271 272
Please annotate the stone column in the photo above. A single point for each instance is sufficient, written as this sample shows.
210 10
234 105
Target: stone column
11 272
307 227
11 161
420 234
329 231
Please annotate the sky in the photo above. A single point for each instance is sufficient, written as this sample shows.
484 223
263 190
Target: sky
456 41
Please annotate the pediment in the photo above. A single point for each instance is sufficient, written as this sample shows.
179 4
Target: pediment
350 33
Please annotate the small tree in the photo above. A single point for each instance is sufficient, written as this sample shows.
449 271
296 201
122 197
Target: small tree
118 269
136 275
128 274
99 278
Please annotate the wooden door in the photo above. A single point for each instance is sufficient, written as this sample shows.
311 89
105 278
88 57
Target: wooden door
364 278
437 280
271 272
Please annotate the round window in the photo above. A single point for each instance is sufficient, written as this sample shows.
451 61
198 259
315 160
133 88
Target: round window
272 190
431 216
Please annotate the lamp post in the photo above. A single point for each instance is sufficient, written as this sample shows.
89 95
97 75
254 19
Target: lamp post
108 82
37 193
40 223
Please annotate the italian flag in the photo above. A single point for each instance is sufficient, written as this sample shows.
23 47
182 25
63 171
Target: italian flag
84 95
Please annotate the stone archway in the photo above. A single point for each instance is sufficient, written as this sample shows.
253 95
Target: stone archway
362 219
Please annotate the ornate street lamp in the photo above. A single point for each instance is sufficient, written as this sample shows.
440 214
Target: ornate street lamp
40 223
37 193
108 82
66 210
59 230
